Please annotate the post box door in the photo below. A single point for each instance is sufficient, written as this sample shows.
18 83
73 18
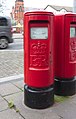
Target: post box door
73 42
40 54
39 46
70 46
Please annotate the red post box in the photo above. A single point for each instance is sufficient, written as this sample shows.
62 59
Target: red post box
38 59
65 54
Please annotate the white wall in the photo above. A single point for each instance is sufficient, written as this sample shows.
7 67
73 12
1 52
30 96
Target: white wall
74 6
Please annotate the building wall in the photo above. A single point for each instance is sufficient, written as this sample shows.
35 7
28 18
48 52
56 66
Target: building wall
74 6
19 11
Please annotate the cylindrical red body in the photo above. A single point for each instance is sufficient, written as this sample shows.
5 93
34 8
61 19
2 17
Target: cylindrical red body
65 50
38 49
38 59
65 46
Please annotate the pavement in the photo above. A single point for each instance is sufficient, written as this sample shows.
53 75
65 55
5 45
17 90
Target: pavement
11 63
12 104
17 35
12 93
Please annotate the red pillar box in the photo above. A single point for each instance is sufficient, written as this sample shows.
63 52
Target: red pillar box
65 54
38 59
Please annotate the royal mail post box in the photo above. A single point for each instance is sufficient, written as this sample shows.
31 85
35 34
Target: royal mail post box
65 54
38 59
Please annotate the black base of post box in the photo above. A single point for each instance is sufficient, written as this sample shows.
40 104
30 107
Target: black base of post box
38 98
65 87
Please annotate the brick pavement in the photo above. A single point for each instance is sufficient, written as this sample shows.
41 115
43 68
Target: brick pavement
11 63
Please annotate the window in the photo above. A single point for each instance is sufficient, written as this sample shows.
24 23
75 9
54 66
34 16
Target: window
20 9
3 22
39 33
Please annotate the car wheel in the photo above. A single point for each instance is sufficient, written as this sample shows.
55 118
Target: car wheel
3 43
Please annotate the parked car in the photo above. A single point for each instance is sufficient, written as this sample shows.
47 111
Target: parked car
5 32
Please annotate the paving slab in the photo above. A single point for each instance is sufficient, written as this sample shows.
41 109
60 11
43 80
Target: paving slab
38 114
10 114
73 99
11 63
19 83
67 109
1 99
8 88
29 113
15 98
60 110
3 104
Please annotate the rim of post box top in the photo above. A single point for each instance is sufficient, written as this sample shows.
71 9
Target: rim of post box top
39 13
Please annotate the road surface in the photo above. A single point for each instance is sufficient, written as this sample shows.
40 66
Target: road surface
17 44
